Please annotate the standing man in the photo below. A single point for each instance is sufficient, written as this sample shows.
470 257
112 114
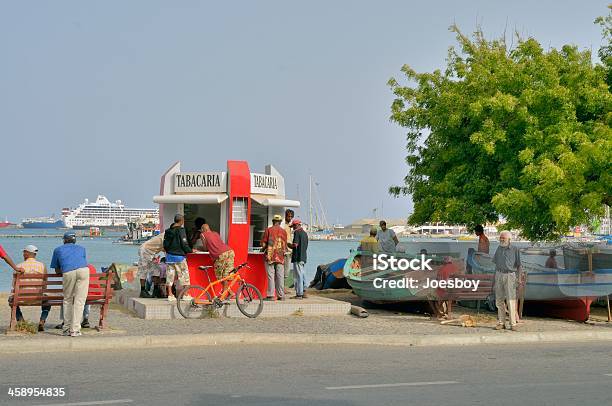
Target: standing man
146 263
9 261
274 242
370 243
387 238
551 261
298 257
220 252
32 266
70 260
508 272
289 214
483 240
177 248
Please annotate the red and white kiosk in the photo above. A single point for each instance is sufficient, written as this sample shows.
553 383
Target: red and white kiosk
237 203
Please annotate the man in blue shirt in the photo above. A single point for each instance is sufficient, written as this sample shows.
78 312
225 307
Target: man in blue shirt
70 261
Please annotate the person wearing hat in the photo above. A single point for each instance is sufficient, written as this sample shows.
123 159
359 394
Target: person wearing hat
299 248
31 266
370 243
274 244
70 260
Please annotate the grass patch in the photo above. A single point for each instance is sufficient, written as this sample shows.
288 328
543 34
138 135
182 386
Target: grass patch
298 312
27 327
212 312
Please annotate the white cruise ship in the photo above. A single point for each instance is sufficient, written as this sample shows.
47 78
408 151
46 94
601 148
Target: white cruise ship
102 213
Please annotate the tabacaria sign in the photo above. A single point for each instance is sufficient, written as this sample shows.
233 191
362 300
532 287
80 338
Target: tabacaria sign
200 182
264 184
216 182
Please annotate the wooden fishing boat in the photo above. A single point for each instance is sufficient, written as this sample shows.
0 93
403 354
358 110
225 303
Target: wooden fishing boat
556 292
360 274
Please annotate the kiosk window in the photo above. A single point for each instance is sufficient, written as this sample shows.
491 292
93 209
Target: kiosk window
239 210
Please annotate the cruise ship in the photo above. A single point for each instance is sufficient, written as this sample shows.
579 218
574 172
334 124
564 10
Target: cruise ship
104 214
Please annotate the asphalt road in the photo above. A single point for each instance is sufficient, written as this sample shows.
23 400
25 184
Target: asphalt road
577 374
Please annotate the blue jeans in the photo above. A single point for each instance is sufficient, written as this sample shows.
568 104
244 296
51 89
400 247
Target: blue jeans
85 312
43 314
298 278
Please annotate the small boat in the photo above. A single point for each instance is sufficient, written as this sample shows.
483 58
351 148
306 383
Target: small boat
555 292
360 274
330 276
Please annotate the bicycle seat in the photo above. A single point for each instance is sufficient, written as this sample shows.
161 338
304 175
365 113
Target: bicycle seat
204 267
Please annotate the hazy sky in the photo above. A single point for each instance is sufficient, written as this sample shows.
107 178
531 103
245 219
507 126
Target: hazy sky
102 98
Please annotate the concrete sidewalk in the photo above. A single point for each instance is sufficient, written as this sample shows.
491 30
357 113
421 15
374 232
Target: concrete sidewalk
384 326
105 343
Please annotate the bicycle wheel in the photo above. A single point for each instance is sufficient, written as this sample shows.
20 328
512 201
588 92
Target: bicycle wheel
249 300
196 306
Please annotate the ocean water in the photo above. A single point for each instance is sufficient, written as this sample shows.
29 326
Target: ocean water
102 252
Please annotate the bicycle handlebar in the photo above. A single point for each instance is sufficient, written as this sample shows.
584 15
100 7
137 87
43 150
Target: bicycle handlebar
239 267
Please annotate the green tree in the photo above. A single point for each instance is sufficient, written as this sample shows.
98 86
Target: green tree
605 52
519 132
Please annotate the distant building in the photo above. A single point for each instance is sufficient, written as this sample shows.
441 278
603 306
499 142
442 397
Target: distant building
363 226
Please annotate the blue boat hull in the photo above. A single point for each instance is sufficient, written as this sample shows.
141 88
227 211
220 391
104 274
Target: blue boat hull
57 224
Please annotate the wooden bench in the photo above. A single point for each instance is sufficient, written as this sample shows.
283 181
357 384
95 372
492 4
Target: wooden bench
485 288
47 290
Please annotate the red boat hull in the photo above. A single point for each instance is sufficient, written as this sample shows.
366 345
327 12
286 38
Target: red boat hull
577 309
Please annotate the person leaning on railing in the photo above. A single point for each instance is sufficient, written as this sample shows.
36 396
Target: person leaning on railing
221 253
70 260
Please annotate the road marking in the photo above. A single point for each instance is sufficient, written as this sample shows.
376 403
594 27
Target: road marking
99 402
391 385
608 374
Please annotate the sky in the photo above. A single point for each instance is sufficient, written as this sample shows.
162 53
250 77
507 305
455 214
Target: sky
101 98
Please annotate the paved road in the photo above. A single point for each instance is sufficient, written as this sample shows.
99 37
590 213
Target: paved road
556 375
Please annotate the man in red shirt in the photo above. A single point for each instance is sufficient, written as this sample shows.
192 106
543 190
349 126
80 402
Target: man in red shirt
220 252
483 241
274 242
9 261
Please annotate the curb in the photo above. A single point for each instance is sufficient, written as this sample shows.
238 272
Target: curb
63 344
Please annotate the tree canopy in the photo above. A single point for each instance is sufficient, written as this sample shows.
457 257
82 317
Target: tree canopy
514 131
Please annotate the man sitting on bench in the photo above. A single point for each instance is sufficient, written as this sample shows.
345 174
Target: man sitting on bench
31 265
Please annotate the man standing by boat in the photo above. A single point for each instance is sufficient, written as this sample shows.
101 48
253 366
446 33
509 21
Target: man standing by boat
274 242
483 240
146 265
299 248
386 238
177 248
551 261
70 260
221 253
370 243
508 273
